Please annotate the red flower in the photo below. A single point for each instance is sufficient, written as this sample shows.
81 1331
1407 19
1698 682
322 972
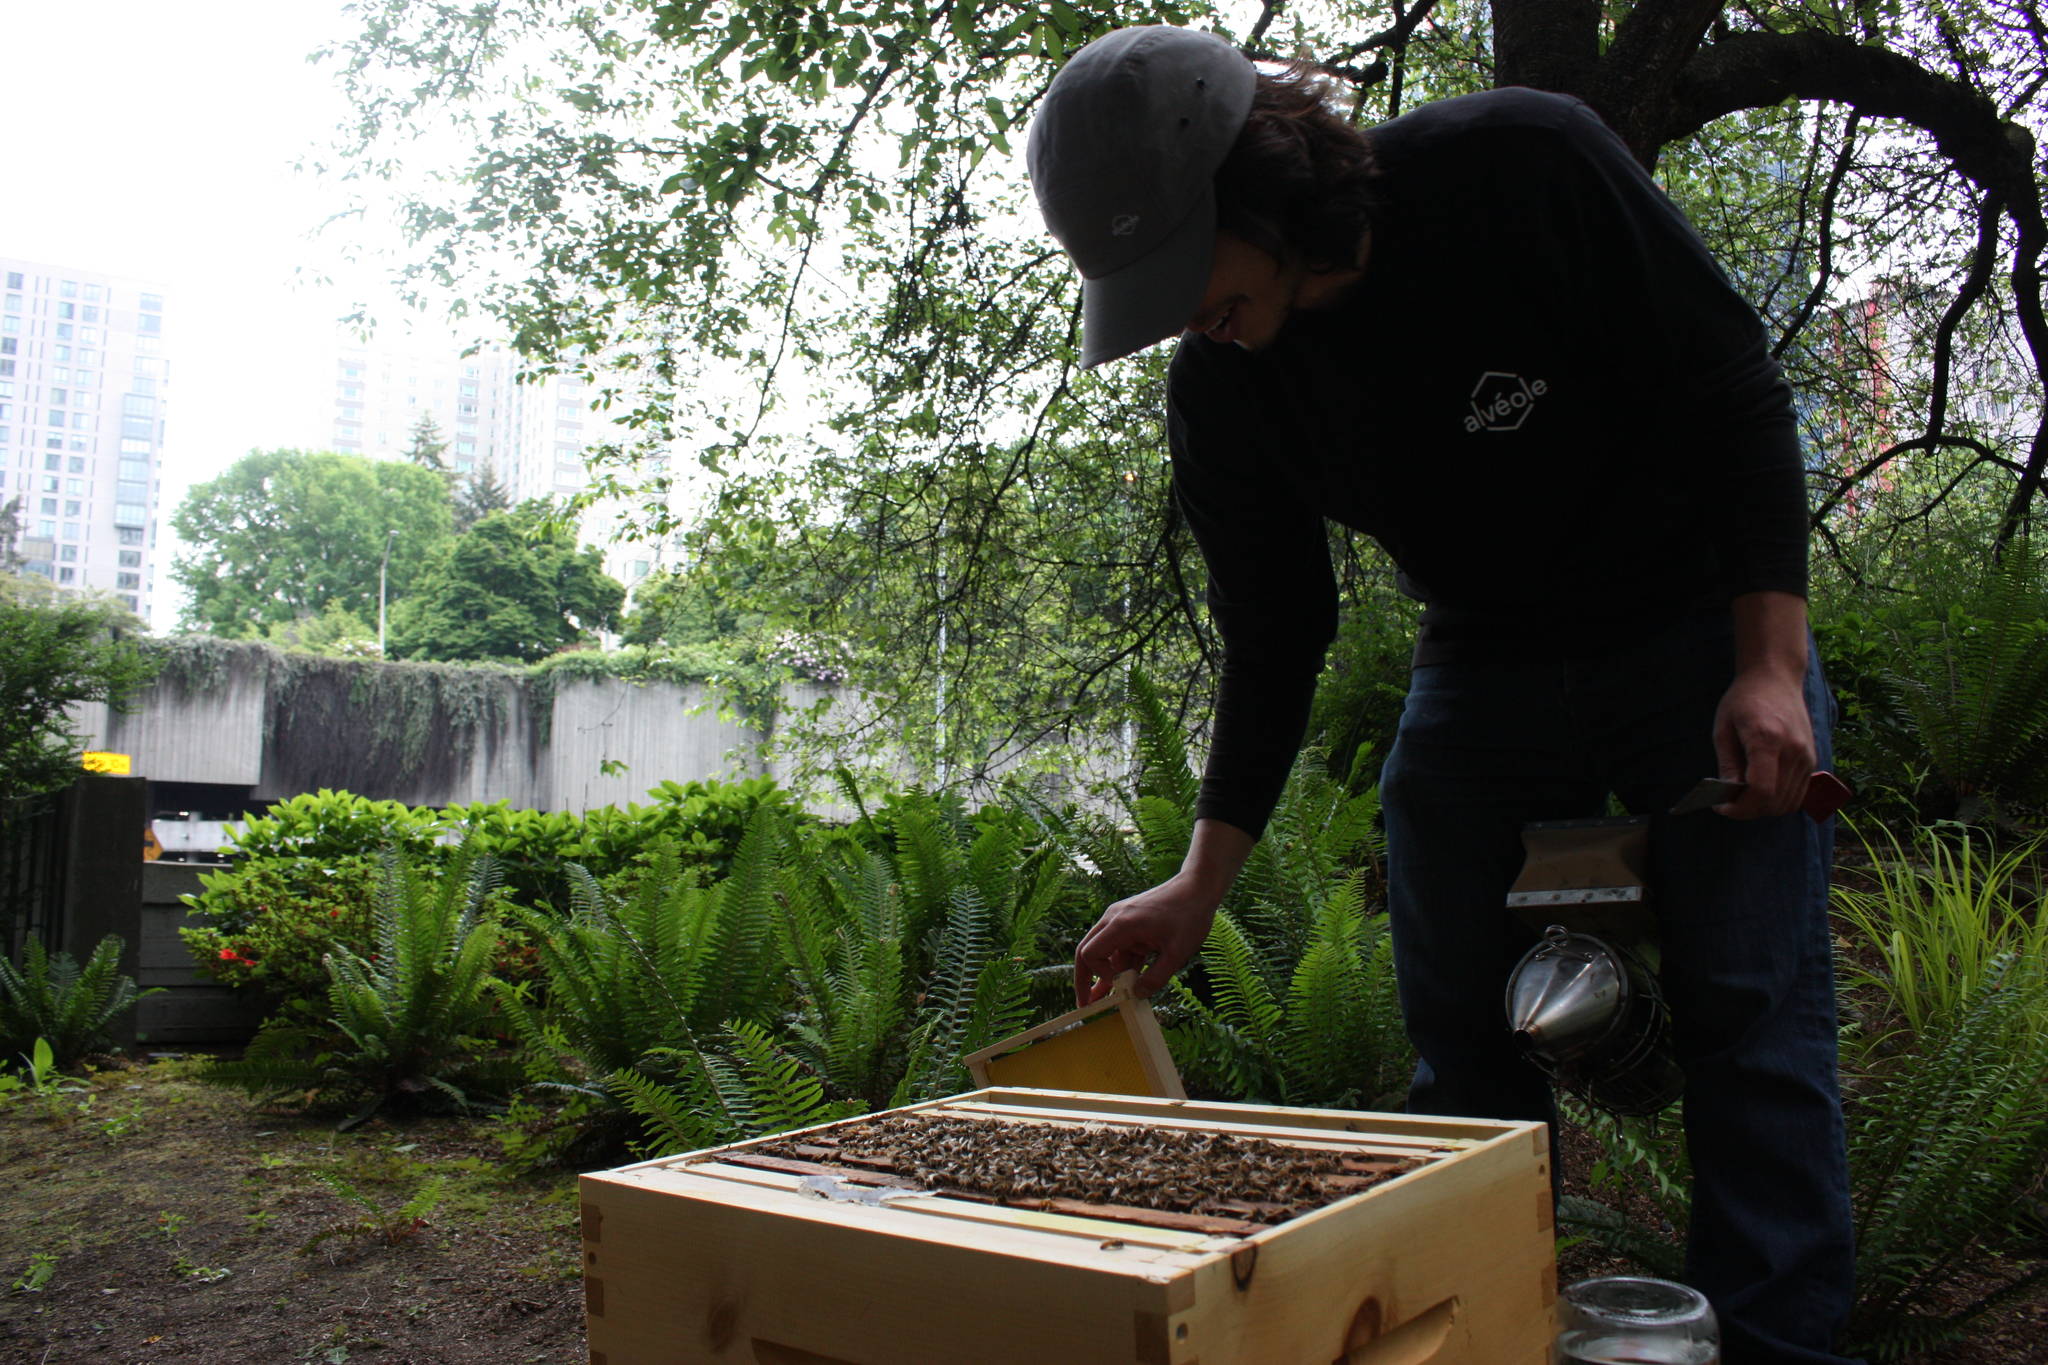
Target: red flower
230 955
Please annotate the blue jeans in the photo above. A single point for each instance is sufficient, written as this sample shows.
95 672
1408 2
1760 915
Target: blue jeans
1486 747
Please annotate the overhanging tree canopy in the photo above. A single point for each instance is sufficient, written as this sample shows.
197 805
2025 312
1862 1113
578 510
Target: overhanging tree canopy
802 231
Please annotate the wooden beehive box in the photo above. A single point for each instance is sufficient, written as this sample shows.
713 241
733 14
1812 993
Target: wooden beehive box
700 1258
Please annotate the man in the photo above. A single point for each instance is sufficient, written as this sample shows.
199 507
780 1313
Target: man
1479 333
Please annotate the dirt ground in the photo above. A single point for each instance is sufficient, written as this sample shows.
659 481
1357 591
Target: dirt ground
177 1218
171 1221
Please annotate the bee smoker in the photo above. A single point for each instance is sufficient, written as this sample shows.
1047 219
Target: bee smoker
1584 1003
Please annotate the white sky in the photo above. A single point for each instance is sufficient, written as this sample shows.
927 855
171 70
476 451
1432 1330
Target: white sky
157 140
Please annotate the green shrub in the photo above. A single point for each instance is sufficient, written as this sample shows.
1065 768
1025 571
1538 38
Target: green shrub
410 1020
49 996
330 824
273 920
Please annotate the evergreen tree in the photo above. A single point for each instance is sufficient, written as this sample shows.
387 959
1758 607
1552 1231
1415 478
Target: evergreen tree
481 494
429 447
514 588
10 536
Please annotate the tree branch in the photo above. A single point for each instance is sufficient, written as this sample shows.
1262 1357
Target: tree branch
1827 236
1759 70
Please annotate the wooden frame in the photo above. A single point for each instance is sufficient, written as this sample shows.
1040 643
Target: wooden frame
1113 1046
723 1257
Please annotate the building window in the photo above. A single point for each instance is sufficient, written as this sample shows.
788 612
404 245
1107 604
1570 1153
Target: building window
131 603
131 559
10 323
131 490
67 552
7 368
93 292
149 324
89 314
152 303
70 530
67 310
128 536
134 469
127 580
138 405
74 508
131 514
14 279
69 289
14 303
67 575
64 330
48 507
76 464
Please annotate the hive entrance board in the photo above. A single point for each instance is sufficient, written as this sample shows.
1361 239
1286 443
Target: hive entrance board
1430 1244
1113 1046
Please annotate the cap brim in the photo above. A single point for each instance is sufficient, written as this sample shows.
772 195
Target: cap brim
1155 296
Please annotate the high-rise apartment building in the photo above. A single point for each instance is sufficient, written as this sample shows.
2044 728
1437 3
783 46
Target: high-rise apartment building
531 437
83 386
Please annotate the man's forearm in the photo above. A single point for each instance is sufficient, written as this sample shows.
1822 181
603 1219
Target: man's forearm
1770 634
1216 854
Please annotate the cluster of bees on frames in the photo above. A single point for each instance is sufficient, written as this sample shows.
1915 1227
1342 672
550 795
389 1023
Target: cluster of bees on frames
1153 1168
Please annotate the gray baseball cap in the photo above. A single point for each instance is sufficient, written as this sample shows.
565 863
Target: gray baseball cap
1123 158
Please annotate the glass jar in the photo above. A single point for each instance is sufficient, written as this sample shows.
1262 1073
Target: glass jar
1625 1320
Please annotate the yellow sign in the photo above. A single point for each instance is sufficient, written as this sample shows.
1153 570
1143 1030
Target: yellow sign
99 761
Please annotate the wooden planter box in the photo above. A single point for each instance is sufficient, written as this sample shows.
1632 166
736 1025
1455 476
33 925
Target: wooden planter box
694 1258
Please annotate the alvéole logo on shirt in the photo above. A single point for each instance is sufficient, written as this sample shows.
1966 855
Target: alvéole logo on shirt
1503 401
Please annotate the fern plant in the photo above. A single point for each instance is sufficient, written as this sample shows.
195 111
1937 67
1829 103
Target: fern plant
1946 1147
743 1088
972 908
1977 692
1948 1143
1292 998
406 1022
843 930
49 996
628 980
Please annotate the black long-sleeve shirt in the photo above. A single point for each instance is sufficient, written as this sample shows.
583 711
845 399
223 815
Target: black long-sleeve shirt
1544 399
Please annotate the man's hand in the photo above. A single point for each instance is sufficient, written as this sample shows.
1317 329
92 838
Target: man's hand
1762 733
1156 932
